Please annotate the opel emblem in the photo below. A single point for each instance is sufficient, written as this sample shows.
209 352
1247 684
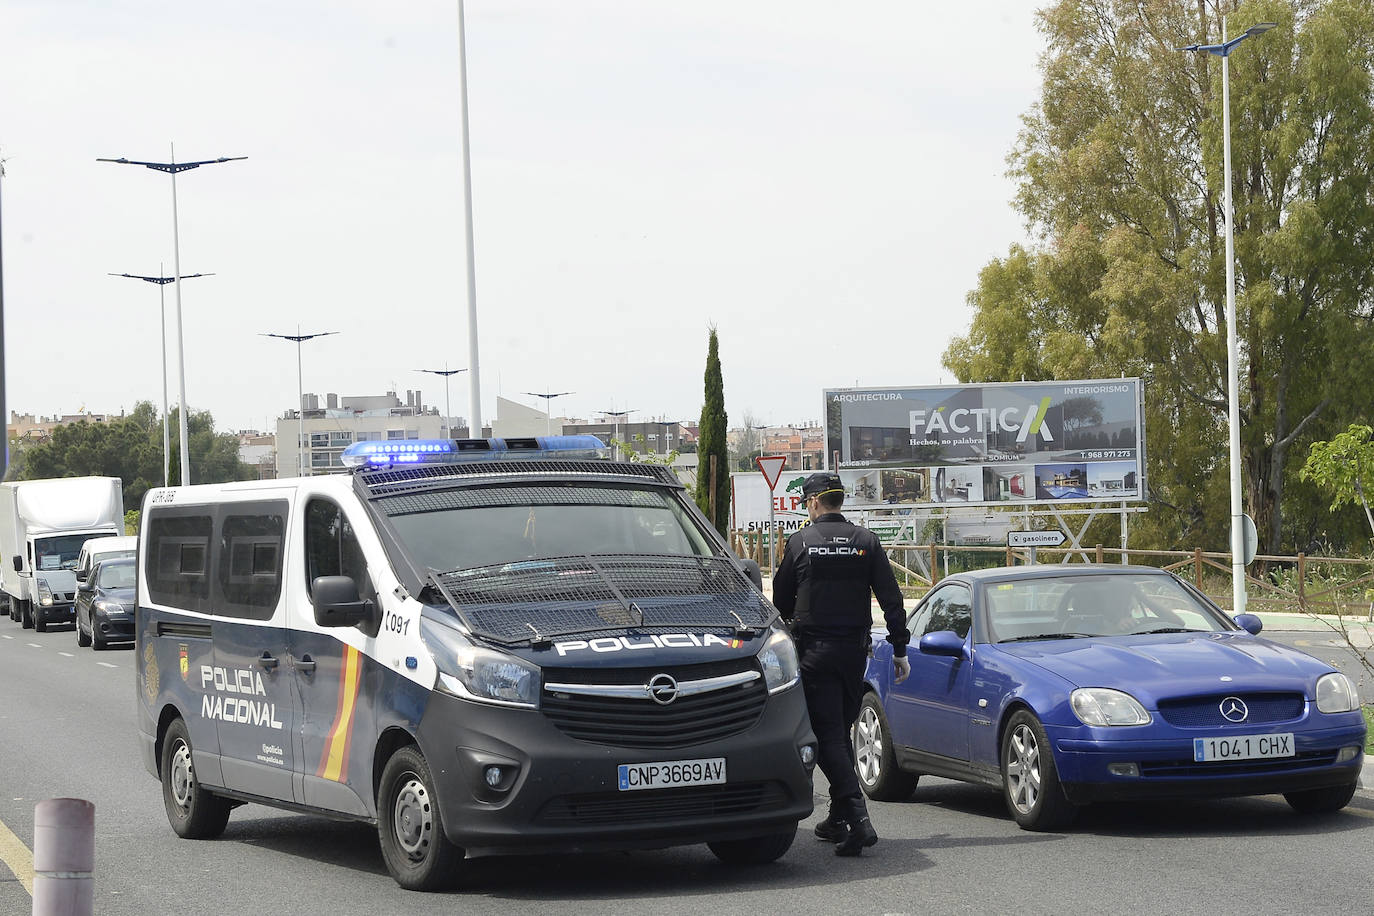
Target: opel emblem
1233 709
662 689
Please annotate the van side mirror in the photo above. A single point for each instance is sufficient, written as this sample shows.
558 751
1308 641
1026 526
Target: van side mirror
18 564
751 569
336 602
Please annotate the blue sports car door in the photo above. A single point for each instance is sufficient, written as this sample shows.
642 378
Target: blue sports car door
929 710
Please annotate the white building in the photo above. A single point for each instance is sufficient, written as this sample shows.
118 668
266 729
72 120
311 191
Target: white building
330 429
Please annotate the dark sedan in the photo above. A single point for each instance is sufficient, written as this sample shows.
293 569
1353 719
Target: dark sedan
105 606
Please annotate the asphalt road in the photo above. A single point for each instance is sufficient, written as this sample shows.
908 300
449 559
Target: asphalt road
67 729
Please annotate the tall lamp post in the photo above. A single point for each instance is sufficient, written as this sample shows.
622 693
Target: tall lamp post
172 168
615 436
548 397
162 282
299 339
1238 549
448 373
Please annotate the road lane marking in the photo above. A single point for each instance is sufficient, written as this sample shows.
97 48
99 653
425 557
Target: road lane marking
68 654
35 645
16 857
106 665
7 636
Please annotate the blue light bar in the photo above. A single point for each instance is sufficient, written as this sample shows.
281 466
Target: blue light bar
393 452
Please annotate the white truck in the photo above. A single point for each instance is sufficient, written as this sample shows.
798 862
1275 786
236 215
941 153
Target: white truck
43 524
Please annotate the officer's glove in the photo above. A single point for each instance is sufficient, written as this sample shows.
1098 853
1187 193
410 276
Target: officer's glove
903 668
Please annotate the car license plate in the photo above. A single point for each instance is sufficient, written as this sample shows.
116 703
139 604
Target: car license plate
1242 747
670 774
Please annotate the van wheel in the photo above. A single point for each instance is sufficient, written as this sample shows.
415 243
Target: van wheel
758 850
26 614
194 812
418 853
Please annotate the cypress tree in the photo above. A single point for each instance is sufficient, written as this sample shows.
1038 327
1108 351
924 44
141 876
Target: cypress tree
711 443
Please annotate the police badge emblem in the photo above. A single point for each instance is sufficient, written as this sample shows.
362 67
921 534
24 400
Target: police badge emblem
185 662
150 672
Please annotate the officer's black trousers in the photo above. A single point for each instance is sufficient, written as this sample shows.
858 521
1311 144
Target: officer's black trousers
832 672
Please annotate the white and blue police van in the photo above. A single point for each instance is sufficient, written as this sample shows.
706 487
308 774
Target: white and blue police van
483 647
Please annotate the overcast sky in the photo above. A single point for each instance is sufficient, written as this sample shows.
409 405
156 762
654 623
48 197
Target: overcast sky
819 181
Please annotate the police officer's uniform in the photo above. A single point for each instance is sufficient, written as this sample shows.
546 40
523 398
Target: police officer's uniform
822 589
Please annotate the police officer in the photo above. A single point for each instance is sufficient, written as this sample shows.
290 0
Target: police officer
822 589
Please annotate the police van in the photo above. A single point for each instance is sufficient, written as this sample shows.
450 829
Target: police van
482 647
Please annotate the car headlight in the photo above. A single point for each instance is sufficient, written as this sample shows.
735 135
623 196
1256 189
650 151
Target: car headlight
779 660
109 607
474 672
1104 706
1335 693
44 593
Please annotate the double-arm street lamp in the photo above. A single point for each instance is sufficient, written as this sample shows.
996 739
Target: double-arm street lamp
548 397
172 168
299 339
615 436
448 373
1238 546
162 282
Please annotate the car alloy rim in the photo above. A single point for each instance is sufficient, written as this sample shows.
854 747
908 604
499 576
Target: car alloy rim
1023 768
183 776
868 748
413 819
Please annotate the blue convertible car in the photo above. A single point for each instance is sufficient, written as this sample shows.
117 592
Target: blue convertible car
1063 685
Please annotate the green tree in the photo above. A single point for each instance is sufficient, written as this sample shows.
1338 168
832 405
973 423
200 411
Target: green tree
1120 173
712 444
1343 467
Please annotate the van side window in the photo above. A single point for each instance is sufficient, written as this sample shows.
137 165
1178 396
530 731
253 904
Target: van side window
331 549
249 565
179 546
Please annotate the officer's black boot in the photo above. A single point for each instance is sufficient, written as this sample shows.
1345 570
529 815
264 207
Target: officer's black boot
861 832
833 829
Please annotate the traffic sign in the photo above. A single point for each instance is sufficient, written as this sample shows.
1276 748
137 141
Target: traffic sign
1051 538
771 466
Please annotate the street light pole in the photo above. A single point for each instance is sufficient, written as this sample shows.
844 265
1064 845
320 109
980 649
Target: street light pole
300 338
615 436
1223 50
172 168
475 379
548 397
162 282
448 373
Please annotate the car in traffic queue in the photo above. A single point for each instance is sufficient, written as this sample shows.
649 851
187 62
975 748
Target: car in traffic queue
481 647
105 603
1065 685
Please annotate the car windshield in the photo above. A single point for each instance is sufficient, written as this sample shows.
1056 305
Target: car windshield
115 575
463 529
1114 604
59 552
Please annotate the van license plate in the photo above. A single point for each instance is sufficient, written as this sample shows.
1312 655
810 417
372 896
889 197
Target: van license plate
671 774
1242 747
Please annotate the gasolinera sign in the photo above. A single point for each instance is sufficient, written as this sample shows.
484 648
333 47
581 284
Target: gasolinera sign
989 444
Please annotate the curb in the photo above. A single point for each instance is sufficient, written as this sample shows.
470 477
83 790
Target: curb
1367 774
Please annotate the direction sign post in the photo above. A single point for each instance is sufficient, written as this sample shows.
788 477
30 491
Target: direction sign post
771 466
1034 539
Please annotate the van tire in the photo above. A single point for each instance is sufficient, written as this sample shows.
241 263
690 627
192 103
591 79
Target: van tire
194 812
410 827
26 614
759 850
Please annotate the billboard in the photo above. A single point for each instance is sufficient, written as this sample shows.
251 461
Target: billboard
992 444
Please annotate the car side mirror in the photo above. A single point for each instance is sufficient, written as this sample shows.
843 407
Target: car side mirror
942 642
336 602
82 585
1250 623
751 569
18 564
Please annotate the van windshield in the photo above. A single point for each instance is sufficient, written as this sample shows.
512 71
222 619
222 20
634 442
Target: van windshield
463 529
58 552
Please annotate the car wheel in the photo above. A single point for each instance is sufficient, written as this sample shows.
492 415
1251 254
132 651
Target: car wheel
418 853
1321 801
758 850
82 637
194 812
1030 782
874 759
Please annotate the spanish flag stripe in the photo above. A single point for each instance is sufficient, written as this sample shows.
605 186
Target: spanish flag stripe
334 764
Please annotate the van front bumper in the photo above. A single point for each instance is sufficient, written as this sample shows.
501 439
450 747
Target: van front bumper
560 793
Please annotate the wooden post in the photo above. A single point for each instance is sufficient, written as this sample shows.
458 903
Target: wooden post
934 564
1302 582
1009 558
1099 553
1197 567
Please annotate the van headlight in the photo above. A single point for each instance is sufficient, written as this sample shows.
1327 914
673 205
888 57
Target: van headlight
475 672
1104 706
1335 693
779 660
44 593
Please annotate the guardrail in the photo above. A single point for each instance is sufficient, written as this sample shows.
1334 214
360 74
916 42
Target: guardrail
1303 583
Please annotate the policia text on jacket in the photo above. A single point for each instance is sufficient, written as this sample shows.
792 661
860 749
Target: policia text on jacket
481 646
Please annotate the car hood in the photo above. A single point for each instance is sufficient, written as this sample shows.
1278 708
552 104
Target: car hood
122 595
1174 664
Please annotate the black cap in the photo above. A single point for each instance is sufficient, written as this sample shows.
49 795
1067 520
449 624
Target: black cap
822 482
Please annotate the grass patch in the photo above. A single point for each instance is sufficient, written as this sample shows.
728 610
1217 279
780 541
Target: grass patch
1369 736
